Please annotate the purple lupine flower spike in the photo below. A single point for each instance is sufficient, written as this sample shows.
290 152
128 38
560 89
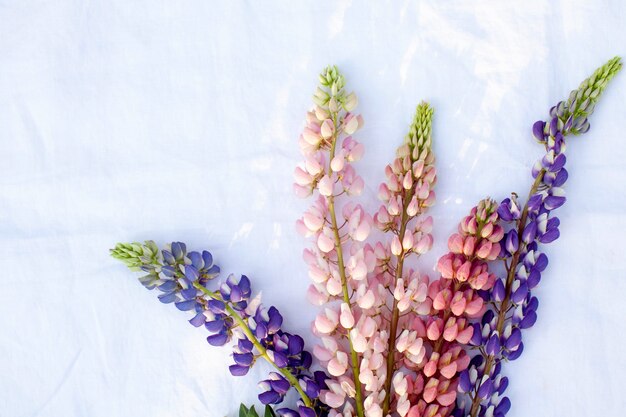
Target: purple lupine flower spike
230 314
499 335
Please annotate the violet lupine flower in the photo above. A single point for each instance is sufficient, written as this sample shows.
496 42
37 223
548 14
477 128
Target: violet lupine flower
499 335
229 313
455 300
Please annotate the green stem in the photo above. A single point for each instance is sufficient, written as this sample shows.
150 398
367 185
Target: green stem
354 356
393 328
509 284
262 351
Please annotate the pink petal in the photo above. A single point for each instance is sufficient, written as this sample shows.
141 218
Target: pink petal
430 368
447 399
326 185
450 333
449 370
327 129
315 297
325 243
465 335
468 246
455 243
430 392
346 318
458 304
433 331
367 301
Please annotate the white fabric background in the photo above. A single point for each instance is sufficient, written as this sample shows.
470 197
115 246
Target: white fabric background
124 121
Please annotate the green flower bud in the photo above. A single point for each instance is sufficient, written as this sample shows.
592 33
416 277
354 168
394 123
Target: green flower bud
419 136
582 101
135 255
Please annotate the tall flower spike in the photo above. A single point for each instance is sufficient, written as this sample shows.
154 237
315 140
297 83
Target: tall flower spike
230 313
455 300
499 335
407 194
338 262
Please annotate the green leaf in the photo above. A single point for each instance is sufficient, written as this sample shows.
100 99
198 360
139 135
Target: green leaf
251 412
269 412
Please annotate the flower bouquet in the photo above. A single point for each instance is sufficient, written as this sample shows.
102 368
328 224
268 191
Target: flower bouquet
392 340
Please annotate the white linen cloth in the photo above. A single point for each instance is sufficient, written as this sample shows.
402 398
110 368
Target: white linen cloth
127 121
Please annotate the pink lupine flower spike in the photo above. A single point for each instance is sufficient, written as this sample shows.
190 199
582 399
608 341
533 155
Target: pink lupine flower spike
338 262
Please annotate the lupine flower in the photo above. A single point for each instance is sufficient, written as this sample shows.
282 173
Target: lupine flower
407 194
230 314
455 300
338 263
499 334
393 343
